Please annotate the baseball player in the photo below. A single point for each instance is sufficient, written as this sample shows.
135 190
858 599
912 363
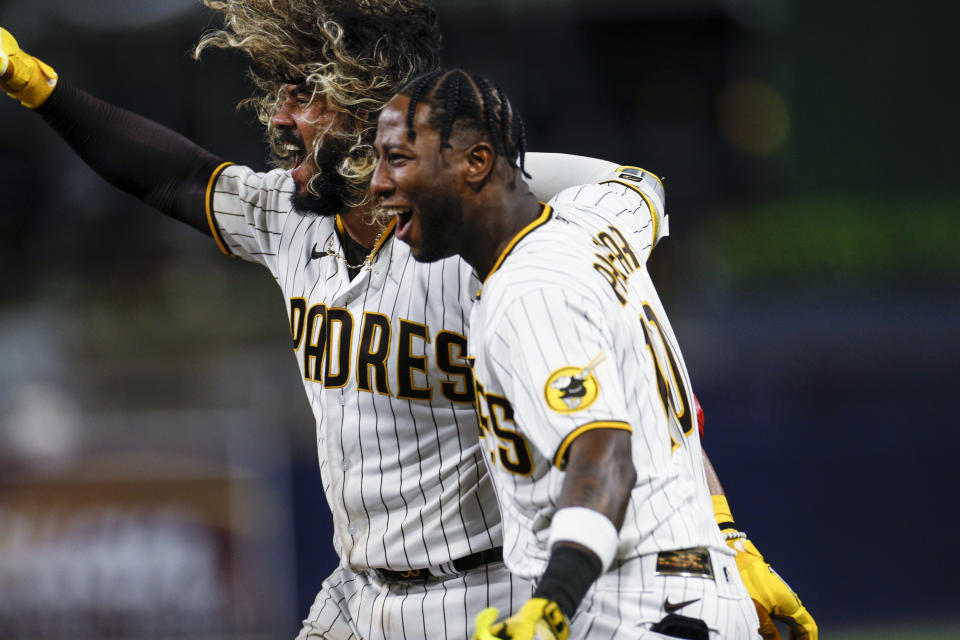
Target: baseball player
586 408
379 338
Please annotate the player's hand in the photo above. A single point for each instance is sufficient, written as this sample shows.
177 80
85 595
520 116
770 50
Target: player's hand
22 76
538 619
772 596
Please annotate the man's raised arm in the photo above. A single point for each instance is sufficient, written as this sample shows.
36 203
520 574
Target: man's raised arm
136 155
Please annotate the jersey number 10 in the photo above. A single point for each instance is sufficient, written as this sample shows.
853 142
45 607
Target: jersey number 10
672 383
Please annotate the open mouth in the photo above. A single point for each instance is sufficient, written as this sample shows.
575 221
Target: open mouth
301 171
298 154
404 216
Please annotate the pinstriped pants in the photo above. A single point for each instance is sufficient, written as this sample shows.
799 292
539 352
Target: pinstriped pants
630 597
360 605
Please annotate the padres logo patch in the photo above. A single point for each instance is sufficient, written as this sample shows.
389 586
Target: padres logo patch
570 389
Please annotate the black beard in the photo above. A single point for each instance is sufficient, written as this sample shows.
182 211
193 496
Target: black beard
441 219
331 188
329 199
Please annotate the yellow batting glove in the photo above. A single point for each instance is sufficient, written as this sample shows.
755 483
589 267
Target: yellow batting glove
538 619
29 80
773 598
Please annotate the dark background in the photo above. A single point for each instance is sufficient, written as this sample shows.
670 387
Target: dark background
812 273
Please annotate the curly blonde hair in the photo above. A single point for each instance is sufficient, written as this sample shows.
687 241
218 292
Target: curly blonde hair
355 54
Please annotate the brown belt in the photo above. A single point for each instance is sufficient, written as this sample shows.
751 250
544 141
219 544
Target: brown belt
460 565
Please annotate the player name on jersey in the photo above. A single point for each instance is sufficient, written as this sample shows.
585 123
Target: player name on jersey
616 260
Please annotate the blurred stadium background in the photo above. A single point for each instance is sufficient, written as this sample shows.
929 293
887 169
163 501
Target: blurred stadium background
158 471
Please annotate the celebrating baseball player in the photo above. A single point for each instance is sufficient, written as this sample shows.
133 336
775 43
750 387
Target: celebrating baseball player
379 338
586 408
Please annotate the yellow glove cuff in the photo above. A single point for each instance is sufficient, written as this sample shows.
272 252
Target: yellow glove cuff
29 80
542 618
483 622
538 618
721 510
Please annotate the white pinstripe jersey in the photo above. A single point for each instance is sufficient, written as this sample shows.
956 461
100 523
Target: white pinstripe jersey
383 360
569 335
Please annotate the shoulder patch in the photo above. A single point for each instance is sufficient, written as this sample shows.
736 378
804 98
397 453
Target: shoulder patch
570 389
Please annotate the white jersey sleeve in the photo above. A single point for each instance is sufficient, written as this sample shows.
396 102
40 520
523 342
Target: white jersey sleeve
564 379
566 336
551 173
247 210
615 201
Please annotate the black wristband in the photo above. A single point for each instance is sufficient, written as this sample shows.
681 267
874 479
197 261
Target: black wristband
728 525
569 573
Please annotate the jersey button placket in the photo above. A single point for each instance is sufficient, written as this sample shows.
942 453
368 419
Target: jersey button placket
341 514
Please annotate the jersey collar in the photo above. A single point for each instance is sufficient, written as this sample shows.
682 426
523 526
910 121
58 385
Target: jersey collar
546 212
382 240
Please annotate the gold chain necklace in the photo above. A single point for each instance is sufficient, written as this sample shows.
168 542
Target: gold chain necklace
366 261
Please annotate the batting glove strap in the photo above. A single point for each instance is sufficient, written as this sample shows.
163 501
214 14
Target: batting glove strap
538 619
29 80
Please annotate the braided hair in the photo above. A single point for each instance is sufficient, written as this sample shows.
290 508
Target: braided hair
474 102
